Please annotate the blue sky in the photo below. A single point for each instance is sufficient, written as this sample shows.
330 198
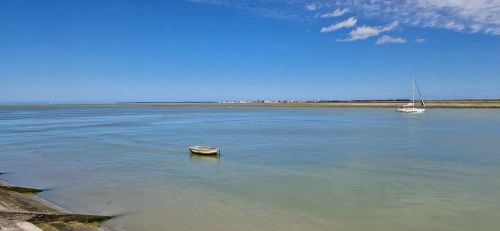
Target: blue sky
209 50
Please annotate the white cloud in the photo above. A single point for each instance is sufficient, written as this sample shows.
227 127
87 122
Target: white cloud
472 16
458 15
454 26
311 7
494 31
348 23
388 39
364 32
475 28
336 13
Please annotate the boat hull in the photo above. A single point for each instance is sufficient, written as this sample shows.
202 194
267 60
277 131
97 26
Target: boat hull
203 150
411 110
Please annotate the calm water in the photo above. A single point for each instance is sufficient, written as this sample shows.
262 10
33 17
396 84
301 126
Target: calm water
280 169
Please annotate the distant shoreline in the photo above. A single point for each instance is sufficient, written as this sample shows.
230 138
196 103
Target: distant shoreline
340 104
467 103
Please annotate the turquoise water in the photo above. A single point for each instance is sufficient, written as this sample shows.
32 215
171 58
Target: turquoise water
280 168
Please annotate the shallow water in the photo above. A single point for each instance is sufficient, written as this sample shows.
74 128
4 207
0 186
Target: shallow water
280 168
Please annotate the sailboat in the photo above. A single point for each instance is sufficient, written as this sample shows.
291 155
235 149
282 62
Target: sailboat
410 107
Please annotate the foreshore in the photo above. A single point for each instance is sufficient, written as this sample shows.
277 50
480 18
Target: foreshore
22 210
340 104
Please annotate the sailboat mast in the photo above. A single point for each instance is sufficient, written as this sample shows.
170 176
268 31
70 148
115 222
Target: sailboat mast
413 96
420 94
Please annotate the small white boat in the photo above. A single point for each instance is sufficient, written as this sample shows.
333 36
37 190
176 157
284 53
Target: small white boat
204 150
410 107
411 110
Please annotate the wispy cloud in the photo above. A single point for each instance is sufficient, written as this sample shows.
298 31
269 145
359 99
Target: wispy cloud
336 13
311 7
420 40
472 16
364 32
458 15
348 23
271 8
452 25
388 39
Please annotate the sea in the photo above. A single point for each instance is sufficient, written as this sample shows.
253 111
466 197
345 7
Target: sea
279 168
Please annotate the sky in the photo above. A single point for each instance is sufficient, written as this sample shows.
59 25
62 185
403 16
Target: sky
92 51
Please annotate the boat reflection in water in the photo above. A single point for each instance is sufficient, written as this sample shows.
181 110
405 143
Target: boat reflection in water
211 159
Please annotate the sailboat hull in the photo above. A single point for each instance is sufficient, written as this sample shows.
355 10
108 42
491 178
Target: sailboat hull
411 110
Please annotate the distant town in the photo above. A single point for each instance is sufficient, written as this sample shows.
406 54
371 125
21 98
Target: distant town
307 101
377 103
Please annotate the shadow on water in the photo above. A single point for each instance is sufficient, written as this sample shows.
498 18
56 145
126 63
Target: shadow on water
123 214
